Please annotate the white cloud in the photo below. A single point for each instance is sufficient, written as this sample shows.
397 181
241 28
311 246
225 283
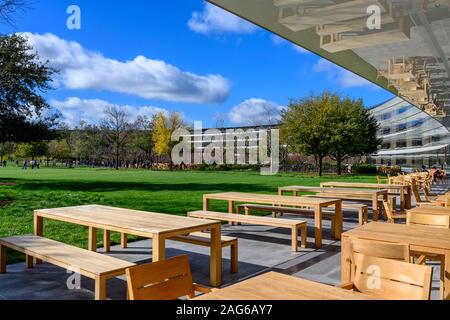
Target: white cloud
216 20
151 79
74 110
278 41
341 76
255 112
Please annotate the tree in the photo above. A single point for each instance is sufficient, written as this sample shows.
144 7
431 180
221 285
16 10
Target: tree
354 130
32 150
8 8
163 128
117 130
306 128
329 125
6 149
23 82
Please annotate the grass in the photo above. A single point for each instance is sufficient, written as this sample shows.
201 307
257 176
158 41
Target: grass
168 192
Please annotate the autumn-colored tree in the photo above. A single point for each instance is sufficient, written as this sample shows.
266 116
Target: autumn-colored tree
163 128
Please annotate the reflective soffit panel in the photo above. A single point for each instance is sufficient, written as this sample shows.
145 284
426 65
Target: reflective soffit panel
401 45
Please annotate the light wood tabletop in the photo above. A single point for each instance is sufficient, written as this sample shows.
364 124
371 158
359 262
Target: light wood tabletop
405 191
431 210
275 200
425 239
357 195
156 226
276 286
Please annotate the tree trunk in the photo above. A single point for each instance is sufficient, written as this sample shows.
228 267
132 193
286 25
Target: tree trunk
320 166
339 164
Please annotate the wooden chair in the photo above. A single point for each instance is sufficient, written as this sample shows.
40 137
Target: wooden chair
391 215
436 221
391 279
164 280
385 250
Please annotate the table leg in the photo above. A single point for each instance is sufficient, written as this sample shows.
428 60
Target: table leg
38 230
408 198
158 248
339 225
216 257
280 192
124 240
205 204
346 262
107 241
231 210
375 208
92 239
2 259
29 260
402 199
318 226
100 288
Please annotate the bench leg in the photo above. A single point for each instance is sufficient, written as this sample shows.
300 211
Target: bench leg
107 241
29 261
318 227
333 226
124 240
304 231
366 215
100 288
295 239
231 210
234 258
2 259
92 246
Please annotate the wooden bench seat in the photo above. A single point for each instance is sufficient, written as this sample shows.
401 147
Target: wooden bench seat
89 264
294 225
363 211
204 239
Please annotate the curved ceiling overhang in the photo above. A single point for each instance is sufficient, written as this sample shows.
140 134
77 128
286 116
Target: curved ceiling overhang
400 45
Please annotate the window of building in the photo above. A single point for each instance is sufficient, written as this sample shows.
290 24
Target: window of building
386 131
401 144
401 127
417 142
386 145
386 116
402 110
435 139
401 162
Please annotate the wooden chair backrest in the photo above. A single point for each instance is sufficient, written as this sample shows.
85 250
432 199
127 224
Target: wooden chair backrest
415 190
385 250
431 220
164 280
393 280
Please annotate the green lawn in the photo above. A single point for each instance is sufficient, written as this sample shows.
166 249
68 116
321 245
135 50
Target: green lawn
174 193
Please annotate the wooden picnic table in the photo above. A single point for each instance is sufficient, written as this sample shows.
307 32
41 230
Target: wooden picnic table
274 200
423 239
276 286
356 195
156 226
405 191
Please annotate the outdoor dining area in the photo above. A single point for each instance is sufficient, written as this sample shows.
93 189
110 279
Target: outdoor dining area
382 241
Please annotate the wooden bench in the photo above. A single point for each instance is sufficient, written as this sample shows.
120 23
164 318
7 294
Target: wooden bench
87 263
363 211
294 225
204 239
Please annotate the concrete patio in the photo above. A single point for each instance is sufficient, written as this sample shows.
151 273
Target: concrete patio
261 249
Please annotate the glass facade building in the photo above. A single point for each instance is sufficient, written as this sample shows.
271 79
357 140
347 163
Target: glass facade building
411 138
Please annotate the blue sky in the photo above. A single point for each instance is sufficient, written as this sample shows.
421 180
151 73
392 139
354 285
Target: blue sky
178 55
